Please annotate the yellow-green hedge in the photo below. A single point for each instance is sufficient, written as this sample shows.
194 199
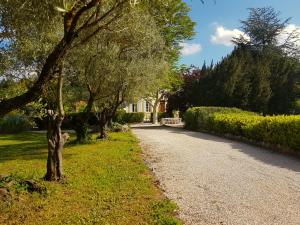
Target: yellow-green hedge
276 130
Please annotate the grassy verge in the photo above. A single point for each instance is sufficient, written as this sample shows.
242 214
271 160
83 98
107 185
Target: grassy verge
107 183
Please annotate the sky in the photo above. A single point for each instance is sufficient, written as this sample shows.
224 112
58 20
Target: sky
219 20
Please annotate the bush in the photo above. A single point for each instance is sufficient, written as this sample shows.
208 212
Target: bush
160 115
117 127
15 124
122 117
119 116
69 121
134 117
297 107
198 117
276 130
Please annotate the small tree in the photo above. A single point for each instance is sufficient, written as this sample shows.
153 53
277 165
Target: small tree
114 66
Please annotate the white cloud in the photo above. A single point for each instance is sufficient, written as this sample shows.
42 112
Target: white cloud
291 28
224 36
190 49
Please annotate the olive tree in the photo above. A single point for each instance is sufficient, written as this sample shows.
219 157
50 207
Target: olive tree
118 65
67 23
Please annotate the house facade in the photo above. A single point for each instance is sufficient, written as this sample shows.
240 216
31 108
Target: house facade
146 107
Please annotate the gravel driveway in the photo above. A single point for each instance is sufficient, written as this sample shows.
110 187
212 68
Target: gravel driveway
219 181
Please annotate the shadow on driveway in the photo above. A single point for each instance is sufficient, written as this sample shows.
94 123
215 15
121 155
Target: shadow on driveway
264 155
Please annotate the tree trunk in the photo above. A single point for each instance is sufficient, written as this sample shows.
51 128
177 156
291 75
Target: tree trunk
56 140
158 97
103 123
155 117
103 133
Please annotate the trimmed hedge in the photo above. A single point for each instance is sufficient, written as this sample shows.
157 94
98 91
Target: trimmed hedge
134 117
119 116
122 117
197 117
275 130
160 115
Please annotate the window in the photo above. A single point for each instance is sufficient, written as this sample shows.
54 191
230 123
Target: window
147 106
134 108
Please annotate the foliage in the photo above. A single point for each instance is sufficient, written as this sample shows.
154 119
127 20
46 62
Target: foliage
197 117
10 87
108 183
297 108
257 81
161 115
119 116
174 23
15 123
162 213
68 24
263 28
277 130
117 127
123 117
136 117
17 185
259 75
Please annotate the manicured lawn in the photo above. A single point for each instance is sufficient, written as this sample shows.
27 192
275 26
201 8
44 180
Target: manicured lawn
107 183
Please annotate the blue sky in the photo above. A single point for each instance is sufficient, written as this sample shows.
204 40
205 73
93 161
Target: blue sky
218 20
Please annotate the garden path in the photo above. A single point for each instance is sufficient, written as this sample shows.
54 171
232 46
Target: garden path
218 181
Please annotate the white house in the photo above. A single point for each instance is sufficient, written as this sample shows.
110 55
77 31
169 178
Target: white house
144 106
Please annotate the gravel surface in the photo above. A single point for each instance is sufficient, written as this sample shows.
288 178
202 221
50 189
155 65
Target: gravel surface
219 181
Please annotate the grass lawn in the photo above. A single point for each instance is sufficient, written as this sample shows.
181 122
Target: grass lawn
107 183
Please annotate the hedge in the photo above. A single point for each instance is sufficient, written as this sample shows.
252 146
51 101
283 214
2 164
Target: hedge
160 115
68 122
123 117
15 123
275 130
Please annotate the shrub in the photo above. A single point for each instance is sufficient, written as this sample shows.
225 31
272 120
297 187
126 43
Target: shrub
69 121
117 127
15 123
71 118
134 117
119 116
160 115
277 130
197 117
297 107
40 122
122 117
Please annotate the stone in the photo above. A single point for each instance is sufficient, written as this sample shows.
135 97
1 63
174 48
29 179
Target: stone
4 194
33 186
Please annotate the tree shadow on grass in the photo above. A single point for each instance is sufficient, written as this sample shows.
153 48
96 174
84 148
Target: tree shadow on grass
24 146
264 155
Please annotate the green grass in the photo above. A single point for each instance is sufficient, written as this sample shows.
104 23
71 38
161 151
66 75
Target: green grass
107 183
